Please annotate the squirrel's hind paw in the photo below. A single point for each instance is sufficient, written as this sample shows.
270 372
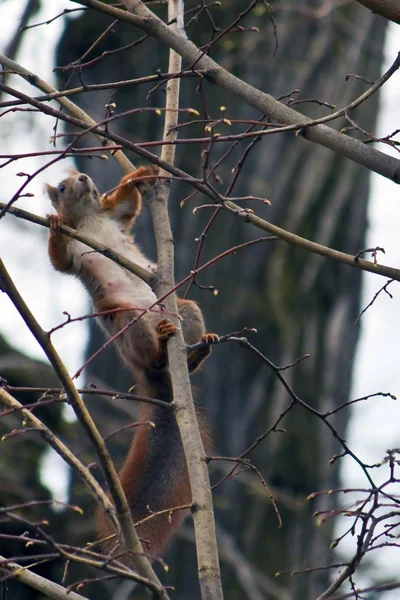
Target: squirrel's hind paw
210 338
165 329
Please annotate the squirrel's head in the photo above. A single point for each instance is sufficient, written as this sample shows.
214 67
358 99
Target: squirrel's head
76 196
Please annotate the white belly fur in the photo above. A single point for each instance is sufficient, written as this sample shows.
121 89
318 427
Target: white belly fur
117 285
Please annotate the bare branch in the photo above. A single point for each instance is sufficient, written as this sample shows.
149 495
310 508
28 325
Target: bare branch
390 9
123 522
72 108
203 515
37 582
354 150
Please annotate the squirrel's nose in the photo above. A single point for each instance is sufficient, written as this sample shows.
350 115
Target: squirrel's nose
82 177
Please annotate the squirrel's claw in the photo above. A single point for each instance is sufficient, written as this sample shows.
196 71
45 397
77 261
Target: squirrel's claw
210 338
55 223
165 329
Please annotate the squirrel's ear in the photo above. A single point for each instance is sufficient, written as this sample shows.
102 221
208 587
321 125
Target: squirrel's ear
52 193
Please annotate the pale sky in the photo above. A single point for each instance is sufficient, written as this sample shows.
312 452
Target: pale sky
375 424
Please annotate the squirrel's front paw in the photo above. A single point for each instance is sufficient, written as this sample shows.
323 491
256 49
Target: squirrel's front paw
55 222
145 174
165 329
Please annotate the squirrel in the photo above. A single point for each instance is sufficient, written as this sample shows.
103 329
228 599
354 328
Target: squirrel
154 475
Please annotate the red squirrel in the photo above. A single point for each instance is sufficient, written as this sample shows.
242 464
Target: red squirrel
154 475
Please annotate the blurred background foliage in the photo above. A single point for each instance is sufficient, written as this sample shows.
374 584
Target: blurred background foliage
299 303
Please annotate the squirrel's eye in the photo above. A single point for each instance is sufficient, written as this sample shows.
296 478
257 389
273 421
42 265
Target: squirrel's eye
61 188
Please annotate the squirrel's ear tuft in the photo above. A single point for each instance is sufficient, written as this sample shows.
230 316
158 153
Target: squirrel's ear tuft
72 171
52 192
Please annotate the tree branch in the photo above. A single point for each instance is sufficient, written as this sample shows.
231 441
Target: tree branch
12 404
137 270
390 9
157 201
72 108
39 583
321 134
123 523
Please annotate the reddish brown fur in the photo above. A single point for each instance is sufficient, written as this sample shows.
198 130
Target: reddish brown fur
57 245
157 532
154 475
126 199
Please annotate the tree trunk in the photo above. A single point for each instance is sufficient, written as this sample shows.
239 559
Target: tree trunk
299 303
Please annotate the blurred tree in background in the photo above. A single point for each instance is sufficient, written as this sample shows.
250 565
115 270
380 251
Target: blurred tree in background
299 303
